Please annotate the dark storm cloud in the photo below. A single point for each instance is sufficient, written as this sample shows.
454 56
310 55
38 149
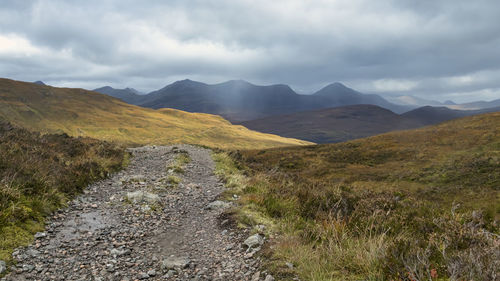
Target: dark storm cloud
433 49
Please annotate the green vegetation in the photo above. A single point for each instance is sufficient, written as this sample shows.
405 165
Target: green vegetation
179 162
173 180
413 205
78 112
40 173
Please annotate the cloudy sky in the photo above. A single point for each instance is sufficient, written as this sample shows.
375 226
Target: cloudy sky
437 49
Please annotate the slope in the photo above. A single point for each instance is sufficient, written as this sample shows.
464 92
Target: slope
39 174
334 124
353 122
410 205
429 115
78 112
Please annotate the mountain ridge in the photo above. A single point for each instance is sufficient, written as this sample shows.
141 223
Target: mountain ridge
239 100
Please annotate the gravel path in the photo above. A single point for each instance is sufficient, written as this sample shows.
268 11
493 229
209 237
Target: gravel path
137 226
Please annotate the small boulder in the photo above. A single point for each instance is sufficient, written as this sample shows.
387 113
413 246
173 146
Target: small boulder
218 205
39 235
175 262
3 267
269 277
254 241
142 196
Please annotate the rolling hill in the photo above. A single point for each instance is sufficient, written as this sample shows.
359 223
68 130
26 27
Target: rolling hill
353 122
408 205
238 100
79 112
334 124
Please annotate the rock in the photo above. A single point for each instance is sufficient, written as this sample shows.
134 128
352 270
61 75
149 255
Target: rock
170 273
119 252
289 265
175 262
269 277
152 272
28 267
32 253
218 205
142 276
256 276
142 196
39 235
254 241
3 267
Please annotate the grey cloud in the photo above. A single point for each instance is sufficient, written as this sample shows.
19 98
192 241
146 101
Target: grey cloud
307 44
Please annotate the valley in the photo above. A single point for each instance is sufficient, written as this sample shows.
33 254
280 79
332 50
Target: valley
93 187
249 140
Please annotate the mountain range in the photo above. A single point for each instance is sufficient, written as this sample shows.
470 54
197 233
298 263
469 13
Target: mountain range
238 100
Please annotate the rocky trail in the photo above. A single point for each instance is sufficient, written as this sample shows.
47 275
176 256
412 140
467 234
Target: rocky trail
138 225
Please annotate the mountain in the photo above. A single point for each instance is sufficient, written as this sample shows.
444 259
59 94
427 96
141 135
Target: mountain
39 83
415 101
477 105
238 100
353 122
79 112
235 100
128 95
429 115
334 124
337 94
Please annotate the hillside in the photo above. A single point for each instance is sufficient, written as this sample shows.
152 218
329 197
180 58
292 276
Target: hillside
410 205
238 100
353 122
429 115
334 124
78 112
39 174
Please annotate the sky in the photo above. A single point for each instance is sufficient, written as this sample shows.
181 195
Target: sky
433 49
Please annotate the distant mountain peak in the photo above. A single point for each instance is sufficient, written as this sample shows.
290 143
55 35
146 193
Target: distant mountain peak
449 102
40 83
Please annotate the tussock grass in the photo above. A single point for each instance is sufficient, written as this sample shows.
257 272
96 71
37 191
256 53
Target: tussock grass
40 173
181 159
412 205
173 180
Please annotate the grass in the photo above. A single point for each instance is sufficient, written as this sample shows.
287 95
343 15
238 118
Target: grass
173 180
412 205
40 173
78 112
181 159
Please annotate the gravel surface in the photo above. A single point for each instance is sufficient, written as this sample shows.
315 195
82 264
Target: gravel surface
137 226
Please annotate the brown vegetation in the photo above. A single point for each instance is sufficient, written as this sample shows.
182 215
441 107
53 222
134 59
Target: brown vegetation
411 205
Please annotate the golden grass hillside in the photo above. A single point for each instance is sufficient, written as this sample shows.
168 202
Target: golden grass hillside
78 112
411 205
